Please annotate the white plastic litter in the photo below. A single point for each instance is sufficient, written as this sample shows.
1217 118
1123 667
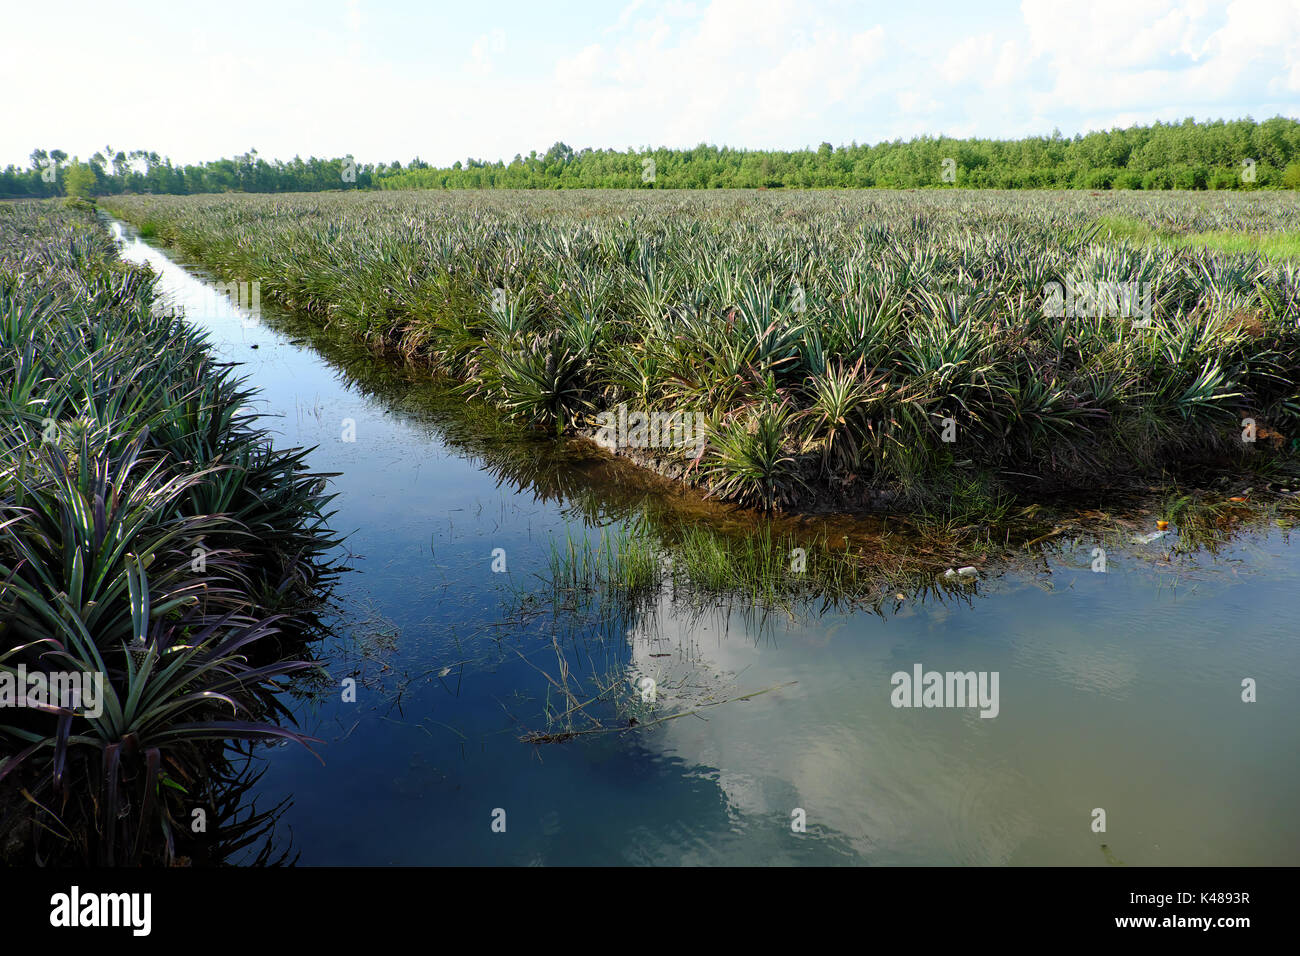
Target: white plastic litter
1148 538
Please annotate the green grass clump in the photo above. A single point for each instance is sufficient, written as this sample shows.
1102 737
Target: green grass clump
762 567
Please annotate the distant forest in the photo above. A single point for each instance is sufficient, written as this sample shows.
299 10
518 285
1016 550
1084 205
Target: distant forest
1238 154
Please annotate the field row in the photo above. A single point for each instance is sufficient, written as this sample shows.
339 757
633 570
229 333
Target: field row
823 347
158 560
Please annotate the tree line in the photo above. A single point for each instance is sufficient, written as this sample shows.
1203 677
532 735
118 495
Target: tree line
1235 154
109 172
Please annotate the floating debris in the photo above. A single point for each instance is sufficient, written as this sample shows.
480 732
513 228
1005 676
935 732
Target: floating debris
1148 538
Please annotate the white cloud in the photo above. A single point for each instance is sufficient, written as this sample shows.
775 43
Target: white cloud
1116 54
869 44
751 69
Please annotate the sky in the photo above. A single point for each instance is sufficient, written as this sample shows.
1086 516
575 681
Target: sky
447 81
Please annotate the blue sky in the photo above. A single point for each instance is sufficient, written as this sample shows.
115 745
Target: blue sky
386 81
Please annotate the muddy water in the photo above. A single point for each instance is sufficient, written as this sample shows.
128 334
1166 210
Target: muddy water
1118 691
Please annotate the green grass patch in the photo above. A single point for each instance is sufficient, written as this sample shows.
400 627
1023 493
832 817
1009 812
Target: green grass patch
1270 245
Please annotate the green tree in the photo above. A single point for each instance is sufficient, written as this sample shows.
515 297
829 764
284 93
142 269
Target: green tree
80 182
